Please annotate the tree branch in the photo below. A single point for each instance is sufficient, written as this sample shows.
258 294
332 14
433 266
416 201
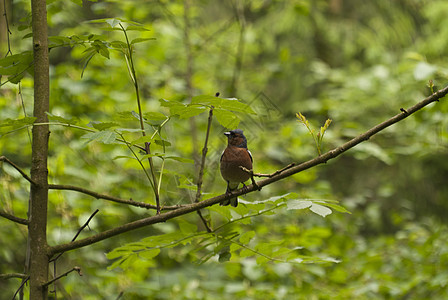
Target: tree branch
76 235
12 275
286 173
109 198
4 214
77 269
24 175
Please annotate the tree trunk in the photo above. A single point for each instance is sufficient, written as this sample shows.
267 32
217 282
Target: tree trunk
39 191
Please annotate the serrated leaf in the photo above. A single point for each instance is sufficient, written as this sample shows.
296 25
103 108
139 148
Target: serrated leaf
18 122
320 210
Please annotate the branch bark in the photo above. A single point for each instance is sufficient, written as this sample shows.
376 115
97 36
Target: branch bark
283 173
13 218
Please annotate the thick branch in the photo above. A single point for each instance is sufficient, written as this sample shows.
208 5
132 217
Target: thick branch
286 173
4 214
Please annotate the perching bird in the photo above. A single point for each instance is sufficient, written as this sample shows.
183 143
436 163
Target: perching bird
235 155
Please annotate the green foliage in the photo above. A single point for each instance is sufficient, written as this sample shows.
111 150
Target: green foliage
354 64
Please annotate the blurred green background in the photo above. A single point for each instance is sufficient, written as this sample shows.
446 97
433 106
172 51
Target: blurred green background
357 64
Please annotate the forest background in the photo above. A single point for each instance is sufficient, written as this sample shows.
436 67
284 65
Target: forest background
355 64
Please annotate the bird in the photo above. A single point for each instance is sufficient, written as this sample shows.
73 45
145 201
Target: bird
235 155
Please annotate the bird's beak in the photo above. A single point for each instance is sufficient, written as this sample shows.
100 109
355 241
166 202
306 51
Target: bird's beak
227 134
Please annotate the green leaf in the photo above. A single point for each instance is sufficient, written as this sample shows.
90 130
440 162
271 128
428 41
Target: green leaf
102 125
182 110
227 118
77 2
150 253
15 64
118 44
140 40
162 142
186 227
137 28
320 210
337 207
142 140
181 159
105 137
26 121
123 156
112 22
232 104
224 256
154 116
298 204
246 237
60 119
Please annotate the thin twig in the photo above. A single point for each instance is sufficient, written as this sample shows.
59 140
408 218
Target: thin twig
109 198
24 175
8 31
204 154
201 169
133 74
79 231
21 286
77 269
214 200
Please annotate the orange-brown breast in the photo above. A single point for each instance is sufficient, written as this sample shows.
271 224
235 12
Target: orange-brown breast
232 158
